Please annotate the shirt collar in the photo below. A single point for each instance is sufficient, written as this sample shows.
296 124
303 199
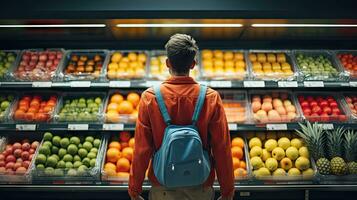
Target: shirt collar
180 80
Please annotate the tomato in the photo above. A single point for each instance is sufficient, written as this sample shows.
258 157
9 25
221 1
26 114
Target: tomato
43 104
32 110
24 108
24 103
51 103
29 116
19 115
35 104
48 109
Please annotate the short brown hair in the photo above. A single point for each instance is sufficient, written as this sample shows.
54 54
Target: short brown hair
181 50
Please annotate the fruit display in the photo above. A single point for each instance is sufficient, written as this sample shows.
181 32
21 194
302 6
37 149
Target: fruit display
279 156
118 157
235 106
317 66
84 108
351 101
84 65
122 108
334 151
16 159
271 65
38 65
223 65
67 155
349 62
159 70
7 59
5 104
35 107
321 107
273 106
239 158
127 65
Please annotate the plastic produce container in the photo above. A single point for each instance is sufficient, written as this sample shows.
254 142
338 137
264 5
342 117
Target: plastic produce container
71 175
86 65
318 65
350 104
235 105
224 65
127 65
272 65
8 59
7 100
11 139
321 107
38 65
273 106
238 176
347 60
83 108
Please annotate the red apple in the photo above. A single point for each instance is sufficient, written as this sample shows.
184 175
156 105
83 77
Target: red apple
10 158
17 165
51 56
325 117
307 111
9 171
324 103
330 99
2 163
16 146
342 118
21 170
319 99
327 110
313 103
304 104
349 100
26 57
26 146
26 164
34 57
316 109
2 157
32 151
34 145
17 153
10 165
2 170
19 160
25 155
336 111
31 156
333 104
43 57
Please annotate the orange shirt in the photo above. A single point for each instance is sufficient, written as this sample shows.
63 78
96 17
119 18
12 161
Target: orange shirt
180 95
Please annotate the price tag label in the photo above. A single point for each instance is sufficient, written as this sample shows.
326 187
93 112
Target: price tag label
152 83
41 84
277 127
287 84
253 84
78 127
80 84
113 127
326 126
221 84
25 127
314 84
119 84
353 84
232 127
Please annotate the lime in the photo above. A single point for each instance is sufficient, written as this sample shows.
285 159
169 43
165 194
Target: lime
45 150
94 150
51 162
82 152
61 164
40 167
54 150
47 143
92 162
68 158
75 140
77 164
64 142
91 155
72 172
72 149
76 158
62 152
40 159
47 136
58 172
49 171
56 140
86 162
87 145
89 139
96 143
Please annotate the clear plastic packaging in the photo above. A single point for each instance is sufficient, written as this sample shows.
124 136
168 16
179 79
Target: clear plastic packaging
347 60
82 108
38 65
350 104
7 99
235 105
240 175
318 65
271 65
127 65
273 106
87 174
224 65
27 176
8 59
321 107
84 65
34 106
126 111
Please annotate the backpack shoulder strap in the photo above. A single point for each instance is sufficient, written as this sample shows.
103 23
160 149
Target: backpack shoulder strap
199 104
162 106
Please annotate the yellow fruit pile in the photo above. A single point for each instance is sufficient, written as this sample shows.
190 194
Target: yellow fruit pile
223 64
122 110
127 65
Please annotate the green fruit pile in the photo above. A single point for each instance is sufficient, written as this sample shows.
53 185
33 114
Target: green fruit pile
5 101
316 67
71 156
80 110
6 60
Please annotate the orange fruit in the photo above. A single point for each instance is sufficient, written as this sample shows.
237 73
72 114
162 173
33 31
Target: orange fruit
113 154
116 98
124 175
114 144
110 172
123 165
238 142
109 166
112 116
242 165
128 153
125 107
113 106
236 162
237 152
132 143
134 98
240 172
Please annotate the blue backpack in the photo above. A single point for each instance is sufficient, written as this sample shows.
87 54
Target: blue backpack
181 160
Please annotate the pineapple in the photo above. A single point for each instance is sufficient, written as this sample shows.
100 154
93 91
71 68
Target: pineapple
323 166
335 148
350 151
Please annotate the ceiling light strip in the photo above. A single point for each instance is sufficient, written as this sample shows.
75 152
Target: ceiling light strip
179 25
303 25
52 25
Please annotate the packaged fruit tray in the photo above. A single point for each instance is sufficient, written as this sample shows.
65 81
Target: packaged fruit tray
69 158
235 106
17 158
240 158
121 106
350 102
271 65
224 64
80 108
34 106
127 65
321 107
347 61
8 59
318 65
7 99
279 157
157 66
38 65
273 106
84 65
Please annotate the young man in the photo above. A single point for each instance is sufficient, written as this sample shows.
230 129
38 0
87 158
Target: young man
180 93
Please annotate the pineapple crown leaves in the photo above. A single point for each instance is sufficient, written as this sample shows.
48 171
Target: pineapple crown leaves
314 136
335 142
350 145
